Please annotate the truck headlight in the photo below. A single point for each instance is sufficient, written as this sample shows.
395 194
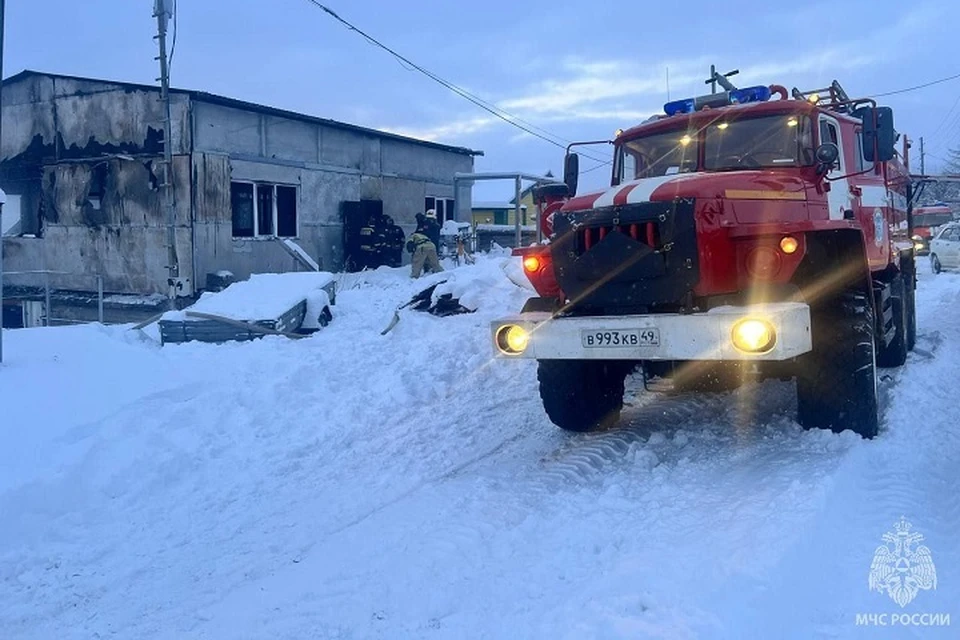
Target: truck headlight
512 339
754 335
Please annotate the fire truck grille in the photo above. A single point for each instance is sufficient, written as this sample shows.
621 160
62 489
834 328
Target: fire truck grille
646 233
626 259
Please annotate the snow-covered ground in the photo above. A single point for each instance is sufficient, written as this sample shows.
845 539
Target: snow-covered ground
353 485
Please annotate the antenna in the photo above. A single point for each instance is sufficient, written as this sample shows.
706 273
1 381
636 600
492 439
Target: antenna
668 84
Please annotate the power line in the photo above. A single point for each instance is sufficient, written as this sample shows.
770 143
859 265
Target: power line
946 117
919 86
507 117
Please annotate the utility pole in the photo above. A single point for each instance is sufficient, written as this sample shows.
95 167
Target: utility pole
922 158
2 198
163 11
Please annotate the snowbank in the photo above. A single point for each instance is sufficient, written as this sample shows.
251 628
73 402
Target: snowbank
408 485
263 296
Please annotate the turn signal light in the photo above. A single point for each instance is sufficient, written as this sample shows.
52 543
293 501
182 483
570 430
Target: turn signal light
512 339
531 264
754 335
789 244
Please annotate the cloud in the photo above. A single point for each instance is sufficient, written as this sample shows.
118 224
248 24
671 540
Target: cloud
627 91
447 131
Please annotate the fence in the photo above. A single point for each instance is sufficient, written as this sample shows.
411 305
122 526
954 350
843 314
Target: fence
42 303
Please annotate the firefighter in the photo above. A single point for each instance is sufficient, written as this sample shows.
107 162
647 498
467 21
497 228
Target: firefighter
431 228
368 245
424 253
393 243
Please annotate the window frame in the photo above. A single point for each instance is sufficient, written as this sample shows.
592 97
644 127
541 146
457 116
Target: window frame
443 213
256 186
832 123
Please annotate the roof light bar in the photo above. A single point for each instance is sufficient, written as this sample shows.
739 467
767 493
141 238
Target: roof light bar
723 99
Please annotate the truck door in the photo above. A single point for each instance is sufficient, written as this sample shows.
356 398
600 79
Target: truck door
838 198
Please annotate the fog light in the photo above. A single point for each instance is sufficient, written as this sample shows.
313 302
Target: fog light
789 244
753 335
512 339
531 264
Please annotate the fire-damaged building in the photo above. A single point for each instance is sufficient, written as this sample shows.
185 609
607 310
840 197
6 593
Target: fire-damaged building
81 160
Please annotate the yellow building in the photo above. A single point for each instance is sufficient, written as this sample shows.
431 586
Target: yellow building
503 212
500 213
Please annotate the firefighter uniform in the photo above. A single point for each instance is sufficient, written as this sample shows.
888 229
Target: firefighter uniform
368 246
431 228
424 254
394 237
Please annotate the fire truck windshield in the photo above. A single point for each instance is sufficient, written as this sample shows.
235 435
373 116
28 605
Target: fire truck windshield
770 141
660 154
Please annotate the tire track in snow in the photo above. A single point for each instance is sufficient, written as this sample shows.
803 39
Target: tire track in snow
908 471
666 425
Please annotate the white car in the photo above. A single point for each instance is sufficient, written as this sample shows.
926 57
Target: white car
945 248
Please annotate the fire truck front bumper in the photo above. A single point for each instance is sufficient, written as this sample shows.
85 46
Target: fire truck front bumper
767 332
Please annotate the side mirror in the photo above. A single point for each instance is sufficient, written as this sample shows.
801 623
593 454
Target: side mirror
827 156
878 135
571 172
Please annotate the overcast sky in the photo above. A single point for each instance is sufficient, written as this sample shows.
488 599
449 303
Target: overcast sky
579 70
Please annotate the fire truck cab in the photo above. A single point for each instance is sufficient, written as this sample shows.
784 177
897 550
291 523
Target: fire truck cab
746 234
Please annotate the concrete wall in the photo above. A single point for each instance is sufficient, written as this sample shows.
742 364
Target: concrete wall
121 235
52 119
61 138
59 146
329 164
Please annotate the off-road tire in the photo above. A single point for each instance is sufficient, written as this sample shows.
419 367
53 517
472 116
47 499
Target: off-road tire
935 265
837 383
582 395
895 353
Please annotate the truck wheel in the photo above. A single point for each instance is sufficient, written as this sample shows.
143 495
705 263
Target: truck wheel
895 353
837 384
582 395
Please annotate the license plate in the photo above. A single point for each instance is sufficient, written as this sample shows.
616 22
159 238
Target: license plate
621 338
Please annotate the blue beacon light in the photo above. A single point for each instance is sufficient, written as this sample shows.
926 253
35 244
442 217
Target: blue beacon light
737 96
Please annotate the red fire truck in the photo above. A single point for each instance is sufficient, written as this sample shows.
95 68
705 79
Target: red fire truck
925 221
746 234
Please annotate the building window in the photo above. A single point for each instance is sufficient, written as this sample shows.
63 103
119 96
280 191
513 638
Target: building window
241 201
501 217
11 218
444 207
265 209
272 213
